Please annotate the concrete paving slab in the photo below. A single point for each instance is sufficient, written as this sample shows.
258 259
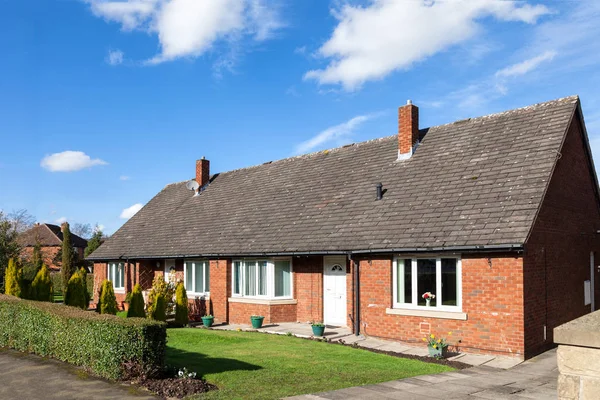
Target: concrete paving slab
417 351
503 362
475 359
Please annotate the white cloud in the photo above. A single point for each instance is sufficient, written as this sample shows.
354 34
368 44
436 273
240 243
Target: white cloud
124 178
69 161
526 66
406 32
99 228
338 133
115 57
189 28
131 211
60 221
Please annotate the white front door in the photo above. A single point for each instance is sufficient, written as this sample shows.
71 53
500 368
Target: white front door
334 290
170 271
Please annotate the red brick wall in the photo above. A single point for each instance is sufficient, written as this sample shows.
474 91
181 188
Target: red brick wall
308 288
48 255
492 299
239 313
220 288
557 257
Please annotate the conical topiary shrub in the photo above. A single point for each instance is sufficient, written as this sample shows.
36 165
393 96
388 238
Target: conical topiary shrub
83 273
159 313
13 278
136 305
108 301
41 287
181 305
75 293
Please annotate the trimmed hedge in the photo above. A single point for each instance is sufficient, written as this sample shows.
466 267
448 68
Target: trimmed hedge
109 346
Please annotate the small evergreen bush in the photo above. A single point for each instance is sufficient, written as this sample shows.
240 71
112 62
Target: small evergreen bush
13 278
159 313
106 345
163 289
181 305
108 301
75 295
84 283
41 288
136 304
67 268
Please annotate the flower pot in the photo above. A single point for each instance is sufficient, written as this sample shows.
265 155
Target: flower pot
440 352
318 330
257 321
208 321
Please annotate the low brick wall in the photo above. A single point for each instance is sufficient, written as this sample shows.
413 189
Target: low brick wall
578 358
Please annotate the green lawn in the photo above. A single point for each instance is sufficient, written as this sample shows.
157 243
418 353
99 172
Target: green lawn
58 297
246 365
122 314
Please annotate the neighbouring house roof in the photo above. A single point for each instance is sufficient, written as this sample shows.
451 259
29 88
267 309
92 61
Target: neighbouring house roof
475 182
48 235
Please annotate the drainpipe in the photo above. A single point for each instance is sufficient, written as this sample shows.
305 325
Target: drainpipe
356 297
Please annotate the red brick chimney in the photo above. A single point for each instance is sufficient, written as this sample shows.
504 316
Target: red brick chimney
408 130
202 171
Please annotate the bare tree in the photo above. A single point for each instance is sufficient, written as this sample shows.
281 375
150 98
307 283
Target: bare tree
21 220
82 230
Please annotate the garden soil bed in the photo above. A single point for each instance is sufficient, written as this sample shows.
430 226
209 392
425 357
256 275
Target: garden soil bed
176 387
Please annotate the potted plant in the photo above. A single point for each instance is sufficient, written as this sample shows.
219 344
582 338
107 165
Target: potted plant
125 304
318 328
257 321
208 320
437 346
428 296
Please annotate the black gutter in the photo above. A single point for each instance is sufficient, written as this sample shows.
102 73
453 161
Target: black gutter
496 248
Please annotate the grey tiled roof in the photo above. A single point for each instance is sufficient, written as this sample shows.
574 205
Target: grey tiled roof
48 235
474 182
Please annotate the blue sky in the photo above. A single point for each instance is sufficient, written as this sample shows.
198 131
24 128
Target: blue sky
105 102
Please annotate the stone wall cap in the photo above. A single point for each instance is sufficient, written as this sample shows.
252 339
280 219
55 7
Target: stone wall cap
583 331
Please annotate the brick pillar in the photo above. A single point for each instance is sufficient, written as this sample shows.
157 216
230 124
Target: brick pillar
220 289
408 129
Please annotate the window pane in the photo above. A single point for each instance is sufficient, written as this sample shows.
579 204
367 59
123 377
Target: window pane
449 286
237 277
199 278
120 275
283 278
425 280
206 276
404 281
188 276
250 287
262 278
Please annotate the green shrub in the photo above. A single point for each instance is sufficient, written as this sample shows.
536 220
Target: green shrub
13 279
108 301
75 295
108 346
136 304
41 288
90 286
163 289
181 305
67 269
159 313
84 285
57 284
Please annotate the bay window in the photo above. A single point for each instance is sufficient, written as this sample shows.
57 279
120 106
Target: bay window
262 278
116 274
415 279
196 276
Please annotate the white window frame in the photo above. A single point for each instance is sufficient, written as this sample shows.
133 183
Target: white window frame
270 278
438 274
193 293
112 275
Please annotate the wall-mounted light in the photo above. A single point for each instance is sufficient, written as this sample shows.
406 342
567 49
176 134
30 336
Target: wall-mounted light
158 264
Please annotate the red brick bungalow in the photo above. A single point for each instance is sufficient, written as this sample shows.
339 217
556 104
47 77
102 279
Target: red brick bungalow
50 237
498 216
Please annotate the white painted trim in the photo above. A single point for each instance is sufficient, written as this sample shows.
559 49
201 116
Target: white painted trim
111 277
273 302
421 312
205 268
270 278
414 295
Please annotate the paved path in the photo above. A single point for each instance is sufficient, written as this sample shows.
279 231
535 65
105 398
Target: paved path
24 376
344 334
532 379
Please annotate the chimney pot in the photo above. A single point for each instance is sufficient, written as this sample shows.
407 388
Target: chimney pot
202 171
408 130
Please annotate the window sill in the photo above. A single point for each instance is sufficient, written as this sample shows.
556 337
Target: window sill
427 313
119 291
269 302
